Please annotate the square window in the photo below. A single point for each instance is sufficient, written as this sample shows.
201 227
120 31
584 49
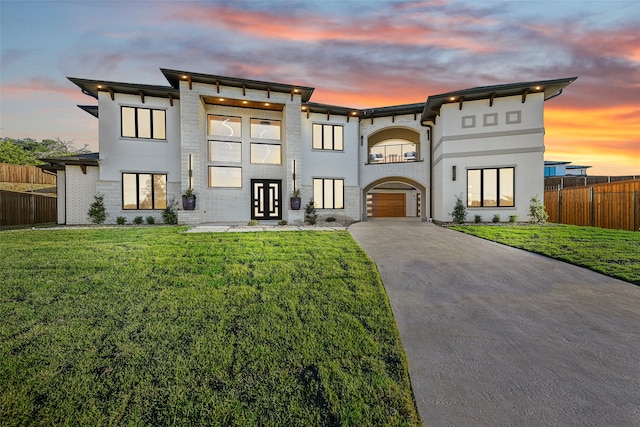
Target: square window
266 154
225 151
225 126
265 129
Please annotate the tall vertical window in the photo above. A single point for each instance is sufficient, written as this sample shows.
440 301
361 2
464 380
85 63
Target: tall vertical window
143 123
144 191
328 137
328 193
265 129
490 187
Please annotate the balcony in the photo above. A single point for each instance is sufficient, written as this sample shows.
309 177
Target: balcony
395 153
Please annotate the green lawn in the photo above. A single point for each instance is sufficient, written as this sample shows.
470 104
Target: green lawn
152 326
615 253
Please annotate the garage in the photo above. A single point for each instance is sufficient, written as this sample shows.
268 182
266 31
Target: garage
386 204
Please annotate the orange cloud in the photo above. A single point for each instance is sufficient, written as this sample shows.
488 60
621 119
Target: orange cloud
36 87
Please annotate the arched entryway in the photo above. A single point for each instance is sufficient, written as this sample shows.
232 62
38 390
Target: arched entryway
395 196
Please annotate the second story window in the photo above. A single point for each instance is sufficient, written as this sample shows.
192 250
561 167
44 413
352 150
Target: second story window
145 123
328 137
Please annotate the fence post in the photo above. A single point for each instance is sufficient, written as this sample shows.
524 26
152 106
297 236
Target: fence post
559 205
593 208
636 220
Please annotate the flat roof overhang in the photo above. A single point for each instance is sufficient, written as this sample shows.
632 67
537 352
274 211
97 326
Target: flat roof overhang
550 88
93 87
58 163
175 77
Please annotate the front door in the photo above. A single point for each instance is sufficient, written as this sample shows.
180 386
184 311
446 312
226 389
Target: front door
265 198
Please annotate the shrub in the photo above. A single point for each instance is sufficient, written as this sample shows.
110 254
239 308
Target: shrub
478 219
97 212
121 220
310 215
331 219
282 222
459 213
536 211
496 218
253 223
169 215
513 218
137 220
150 220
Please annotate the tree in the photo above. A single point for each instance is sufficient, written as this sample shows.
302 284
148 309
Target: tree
97 211
13 154
459 213
536 211
27 151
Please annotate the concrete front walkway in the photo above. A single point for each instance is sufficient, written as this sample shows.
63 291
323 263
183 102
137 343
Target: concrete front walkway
498 336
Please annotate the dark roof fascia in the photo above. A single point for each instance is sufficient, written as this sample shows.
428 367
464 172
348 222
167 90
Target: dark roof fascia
90 159
91 109
394 110
315 107
551 88
90 87
175 76
577 167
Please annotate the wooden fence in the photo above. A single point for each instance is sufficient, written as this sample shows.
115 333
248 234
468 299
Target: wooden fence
18 209
25 174
612 205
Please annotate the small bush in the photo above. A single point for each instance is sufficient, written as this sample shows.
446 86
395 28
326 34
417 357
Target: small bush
137 220
496 218
536 211
150 220
97 212
459 213
310 215
169 215
478 219
253 223
282 222
513 218
331 219
121 220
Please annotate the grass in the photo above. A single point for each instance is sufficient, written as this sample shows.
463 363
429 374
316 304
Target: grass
615 253
152 326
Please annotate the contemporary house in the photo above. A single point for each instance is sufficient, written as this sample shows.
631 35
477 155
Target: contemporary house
555 168
244 146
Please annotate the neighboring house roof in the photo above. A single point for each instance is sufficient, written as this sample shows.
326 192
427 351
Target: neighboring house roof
577 167
554 162
551 88
58 163
174 77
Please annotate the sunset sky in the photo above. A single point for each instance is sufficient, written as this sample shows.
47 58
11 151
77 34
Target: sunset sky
354 53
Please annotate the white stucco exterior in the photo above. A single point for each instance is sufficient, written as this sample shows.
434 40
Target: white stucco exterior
411 150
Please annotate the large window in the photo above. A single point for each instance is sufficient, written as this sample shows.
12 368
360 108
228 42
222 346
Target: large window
143 123
490 187
328 137
265 129
144 191
225 176
223 151
328 193
266 154
225 126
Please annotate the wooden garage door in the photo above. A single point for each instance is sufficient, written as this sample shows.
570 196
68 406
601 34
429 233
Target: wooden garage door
386 204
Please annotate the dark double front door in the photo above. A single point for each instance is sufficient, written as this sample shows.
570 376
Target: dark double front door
265 198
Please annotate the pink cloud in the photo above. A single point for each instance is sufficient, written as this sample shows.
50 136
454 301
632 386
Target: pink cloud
306 28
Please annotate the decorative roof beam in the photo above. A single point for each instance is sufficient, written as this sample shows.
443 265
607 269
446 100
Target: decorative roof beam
491 98
141 96
190 80
328 114
171 99
461 101
268 92
244 90
524 95
112 93
218 86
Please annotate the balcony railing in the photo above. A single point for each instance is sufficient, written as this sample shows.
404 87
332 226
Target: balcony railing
398 153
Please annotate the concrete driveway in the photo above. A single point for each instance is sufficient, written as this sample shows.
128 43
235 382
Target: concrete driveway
499 336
